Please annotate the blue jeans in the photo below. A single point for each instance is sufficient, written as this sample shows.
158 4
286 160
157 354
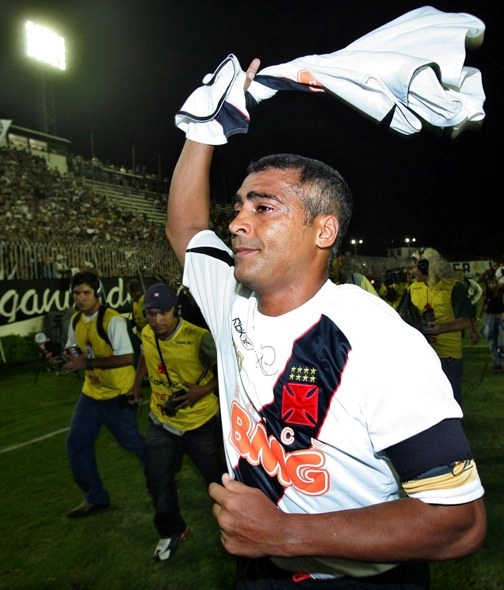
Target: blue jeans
88 417
492 330
164 452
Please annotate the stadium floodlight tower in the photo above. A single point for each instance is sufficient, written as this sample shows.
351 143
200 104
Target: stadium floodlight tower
47 48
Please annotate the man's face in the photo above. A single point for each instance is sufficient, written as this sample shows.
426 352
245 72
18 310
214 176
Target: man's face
85 299
163 323
272 245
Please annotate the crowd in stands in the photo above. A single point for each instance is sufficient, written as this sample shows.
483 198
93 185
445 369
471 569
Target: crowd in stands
139 180
40 204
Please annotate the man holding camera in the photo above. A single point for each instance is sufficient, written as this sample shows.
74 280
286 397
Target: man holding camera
178 358
442 299
101 347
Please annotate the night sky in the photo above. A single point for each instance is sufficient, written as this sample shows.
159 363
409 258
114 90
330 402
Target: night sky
132 64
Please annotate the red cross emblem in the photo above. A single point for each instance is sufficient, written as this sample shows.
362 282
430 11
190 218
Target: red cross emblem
300 404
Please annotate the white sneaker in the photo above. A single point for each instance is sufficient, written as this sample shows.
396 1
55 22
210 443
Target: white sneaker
168 545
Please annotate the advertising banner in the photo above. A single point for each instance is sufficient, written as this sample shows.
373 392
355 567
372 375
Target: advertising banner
23 300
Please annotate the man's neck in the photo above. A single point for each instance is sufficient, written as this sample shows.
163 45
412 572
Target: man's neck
276 304
92 311
169 334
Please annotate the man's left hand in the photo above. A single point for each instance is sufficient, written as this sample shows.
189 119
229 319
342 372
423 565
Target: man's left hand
193 394
250 523
431 329
76 363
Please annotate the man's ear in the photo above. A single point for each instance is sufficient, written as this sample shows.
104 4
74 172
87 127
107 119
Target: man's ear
328 231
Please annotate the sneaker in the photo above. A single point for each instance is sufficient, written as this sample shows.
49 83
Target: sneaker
168 545
85 509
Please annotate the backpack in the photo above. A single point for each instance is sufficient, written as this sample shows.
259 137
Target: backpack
100 328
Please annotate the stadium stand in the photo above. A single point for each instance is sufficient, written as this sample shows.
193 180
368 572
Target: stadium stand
96 216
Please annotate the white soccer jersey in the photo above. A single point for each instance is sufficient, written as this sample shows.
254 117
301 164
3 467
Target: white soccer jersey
310 399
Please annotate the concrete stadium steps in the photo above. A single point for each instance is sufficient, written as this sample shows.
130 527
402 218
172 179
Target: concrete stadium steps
126 198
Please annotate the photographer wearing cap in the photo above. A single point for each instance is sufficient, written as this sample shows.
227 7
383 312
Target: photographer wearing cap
178 358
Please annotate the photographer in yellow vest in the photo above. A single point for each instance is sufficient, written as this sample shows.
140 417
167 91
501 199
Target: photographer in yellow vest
442 298
107 359
179 359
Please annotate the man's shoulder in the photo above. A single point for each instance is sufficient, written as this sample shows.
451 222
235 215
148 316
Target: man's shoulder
188 327
205 237
147 333
417 286
108 313
208 244
449 282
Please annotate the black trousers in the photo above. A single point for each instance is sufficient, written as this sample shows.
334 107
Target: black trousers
262 574
164 452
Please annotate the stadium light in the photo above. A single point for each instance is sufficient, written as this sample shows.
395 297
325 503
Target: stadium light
355 243
48 48
45 45
410 241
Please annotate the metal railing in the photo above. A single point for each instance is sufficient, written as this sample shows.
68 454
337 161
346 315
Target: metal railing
26 260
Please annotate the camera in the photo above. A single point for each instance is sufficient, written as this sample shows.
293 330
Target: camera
73 350
428 315
50 347
170 407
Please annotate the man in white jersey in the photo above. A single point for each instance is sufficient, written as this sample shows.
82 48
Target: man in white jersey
343 471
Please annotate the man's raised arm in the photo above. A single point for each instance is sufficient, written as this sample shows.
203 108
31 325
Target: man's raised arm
189 198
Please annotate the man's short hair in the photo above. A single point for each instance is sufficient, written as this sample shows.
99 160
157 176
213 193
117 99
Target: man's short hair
86 278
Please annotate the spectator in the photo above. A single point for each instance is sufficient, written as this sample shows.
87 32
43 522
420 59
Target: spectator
395 281
36 200
138 319
474 292
493 321
499 271
339 276
442 298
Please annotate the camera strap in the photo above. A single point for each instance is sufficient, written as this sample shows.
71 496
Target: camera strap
170 384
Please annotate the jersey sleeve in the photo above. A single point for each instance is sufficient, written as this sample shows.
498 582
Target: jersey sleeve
437 465
119 337
71 334
209 274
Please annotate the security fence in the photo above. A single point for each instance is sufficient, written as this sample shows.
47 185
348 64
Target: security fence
27 260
